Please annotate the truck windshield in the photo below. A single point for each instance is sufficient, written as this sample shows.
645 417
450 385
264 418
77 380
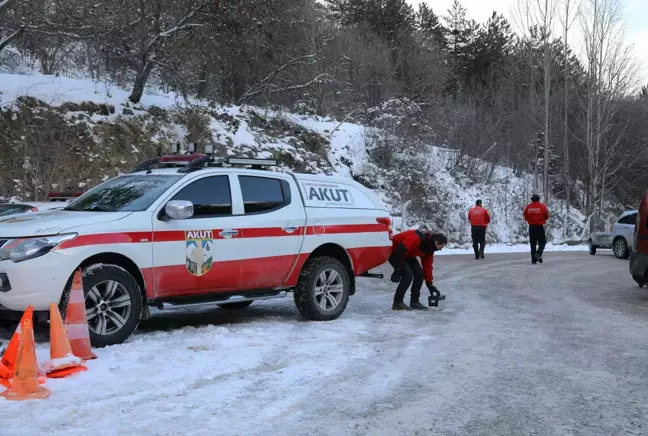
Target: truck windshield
130 193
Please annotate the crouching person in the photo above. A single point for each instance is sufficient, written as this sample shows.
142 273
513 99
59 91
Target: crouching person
407 247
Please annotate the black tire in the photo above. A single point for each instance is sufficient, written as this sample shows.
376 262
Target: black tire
620 248
235 306
95 275
305 297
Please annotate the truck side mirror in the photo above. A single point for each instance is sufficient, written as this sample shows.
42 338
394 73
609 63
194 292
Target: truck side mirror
179 209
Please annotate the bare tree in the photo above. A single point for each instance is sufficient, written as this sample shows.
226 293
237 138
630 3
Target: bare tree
571 8
611 73
541 15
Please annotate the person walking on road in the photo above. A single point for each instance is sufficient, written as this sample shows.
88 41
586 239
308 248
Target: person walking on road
406 247
536 215
479 220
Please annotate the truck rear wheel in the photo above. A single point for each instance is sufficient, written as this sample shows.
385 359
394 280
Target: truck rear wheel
323 289
113 301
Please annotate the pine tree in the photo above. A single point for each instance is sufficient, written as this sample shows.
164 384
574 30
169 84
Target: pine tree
460 36
429 25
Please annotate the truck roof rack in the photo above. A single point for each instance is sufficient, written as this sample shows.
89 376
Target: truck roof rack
221 162
196 161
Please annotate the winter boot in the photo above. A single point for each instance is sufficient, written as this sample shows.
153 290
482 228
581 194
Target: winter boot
415 305
400 306
539 258
481 254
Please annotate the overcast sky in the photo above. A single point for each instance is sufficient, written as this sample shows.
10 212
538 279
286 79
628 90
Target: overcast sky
635 10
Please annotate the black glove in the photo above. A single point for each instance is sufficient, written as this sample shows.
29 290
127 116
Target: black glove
433 289
396 276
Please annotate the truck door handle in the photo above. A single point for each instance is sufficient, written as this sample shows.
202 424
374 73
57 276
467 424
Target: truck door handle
228 233
289 229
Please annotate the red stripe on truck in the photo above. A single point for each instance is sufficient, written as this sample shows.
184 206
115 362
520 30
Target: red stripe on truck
179 235
248 274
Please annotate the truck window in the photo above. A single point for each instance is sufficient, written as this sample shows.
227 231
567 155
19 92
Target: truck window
629 219
263 194
210 196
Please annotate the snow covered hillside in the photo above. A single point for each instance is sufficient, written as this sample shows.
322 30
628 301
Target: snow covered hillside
87 132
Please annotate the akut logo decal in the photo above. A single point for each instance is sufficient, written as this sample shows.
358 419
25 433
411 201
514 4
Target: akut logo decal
327 193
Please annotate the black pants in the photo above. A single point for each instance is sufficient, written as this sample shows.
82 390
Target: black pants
412 272
537 238
479 239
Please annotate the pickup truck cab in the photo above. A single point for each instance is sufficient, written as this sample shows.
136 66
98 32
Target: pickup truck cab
639 257
186 229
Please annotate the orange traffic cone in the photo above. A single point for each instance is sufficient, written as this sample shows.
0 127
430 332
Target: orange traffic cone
4 372
76 321
25 383
11 353
63 362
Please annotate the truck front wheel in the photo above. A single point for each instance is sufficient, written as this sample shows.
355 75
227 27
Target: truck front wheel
113 302
322 292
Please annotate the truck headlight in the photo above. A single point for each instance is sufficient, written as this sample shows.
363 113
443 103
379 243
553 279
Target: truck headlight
19 250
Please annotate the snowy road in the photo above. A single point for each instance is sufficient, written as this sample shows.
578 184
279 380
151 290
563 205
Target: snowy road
553 349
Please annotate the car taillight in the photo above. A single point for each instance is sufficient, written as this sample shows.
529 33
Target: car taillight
387 222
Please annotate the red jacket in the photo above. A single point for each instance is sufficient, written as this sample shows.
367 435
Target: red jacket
536 214
478 216
412 243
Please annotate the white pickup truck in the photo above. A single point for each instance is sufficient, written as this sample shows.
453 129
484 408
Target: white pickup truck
195 228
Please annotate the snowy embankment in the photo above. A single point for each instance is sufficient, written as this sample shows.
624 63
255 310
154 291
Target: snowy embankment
301 143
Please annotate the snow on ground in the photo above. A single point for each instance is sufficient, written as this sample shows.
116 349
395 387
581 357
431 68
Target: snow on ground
56 90
555 349
512 248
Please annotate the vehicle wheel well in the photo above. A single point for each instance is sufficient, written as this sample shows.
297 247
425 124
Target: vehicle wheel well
336 251
127 264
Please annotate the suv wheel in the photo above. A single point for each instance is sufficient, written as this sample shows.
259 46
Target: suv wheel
323 289
113 301
620 248
234 306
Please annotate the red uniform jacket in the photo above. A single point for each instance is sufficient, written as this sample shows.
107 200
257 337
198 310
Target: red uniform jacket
412 243
536 214
478 217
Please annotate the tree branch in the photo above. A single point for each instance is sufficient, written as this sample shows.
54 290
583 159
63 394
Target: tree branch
260 86
5 42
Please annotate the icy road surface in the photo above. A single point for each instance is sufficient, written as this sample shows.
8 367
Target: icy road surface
553 349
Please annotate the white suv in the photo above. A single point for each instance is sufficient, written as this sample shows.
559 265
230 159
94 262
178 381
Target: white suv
186 229
620 239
